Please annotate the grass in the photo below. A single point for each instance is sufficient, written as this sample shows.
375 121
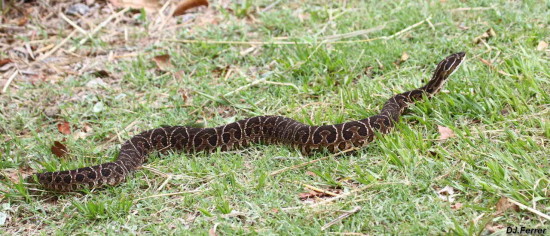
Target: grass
499 114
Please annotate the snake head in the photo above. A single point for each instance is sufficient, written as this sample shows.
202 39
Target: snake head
448 66
444 69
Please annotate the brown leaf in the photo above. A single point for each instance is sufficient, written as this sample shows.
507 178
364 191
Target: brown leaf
447 194
503 205
188 4
11 174
148 5
163 62
64 127
83 132
311 194
22 21
310 173
485 36
100 74
59 149
456 206
445 132
317 194
493 228
5 61
542 46
212 231
404 56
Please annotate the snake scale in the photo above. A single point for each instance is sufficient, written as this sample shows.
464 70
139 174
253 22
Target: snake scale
260 129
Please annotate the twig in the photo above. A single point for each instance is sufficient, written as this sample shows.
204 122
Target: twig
348 233
344 195
207 41
158 172
430 24
245 86
310 162
49 53
10 79
472 9
100 26
283 84
491 66
270 6
341 217
83 31
167 194
170 177
319 190
408 28
533 210
125 129
353 34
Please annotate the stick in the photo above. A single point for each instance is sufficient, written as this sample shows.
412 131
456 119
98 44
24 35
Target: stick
167 194
319 190
472 9
73 24
207 41
49 53
100 26
537 212
344 195
409 28
354 33
10 79
341 217
310 162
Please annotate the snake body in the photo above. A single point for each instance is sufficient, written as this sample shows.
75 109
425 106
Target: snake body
260 129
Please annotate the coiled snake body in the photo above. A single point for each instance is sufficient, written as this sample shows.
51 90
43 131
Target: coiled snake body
260 129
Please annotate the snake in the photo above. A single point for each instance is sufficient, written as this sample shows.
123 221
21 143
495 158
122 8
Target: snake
260 129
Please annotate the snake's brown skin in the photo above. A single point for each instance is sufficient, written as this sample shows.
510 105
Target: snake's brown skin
261 129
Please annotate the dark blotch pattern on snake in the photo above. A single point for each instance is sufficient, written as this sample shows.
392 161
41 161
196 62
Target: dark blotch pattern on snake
261 129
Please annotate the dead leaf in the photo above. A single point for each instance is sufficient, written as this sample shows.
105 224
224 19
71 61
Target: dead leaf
485 36
311 173
212 231
100 74
87 128
5 61
447 194
445 132
404 56
456 206
83 132
493 67
51 111
148 5
22 21
64 127
542 46
188 4
493 228
503 205
247 51
316 194
59 149
504 112
163 62
311 194
11 174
